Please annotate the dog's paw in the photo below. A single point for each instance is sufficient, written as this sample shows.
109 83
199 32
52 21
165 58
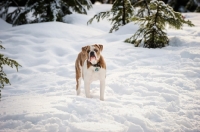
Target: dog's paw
102 99
78 92
88 96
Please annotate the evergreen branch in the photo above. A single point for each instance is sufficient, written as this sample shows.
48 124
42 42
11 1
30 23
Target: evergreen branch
1 47
42 10
143 6
146 4
16 3
22 13
4 9
9 62
121 13
79 6
134 39
3 78
138 3
88 4
101 15
115 27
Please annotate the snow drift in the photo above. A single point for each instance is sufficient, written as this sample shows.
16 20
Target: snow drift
147 90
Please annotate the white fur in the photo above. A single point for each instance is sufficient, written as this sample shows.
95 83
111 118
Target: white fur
79 81
79 90
91 75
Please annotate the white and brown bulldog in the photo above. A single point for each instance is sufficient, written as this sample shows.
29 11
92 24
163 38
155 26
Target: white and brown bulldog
90 66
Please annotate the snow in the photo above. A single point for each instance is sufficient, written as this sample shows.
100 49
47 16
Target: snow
147 90
4 25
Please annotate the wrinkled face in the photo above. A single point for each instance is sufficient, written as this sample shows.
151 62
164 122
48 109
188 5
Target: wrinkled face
93 52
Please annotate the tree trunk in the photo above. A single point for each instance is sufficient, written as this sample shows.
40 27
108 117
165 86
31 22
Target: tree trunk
124 13
153 43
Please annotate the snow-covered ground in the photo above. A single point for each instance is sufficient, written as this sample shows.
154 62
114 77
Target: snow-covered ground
147 90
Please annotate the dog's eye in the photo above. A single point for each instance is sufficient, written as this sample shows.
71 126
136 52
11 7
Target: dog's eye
95 50
88 51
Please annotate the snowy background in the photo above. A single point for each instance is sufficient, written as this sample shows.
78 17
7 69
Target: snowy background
147 90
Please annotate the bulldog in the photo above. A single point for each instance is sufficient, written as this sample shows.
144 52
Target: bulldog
90 66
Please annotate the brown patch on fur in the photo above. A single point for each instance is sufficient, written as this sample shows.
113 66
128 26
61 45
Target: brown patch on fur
84 49
102 62
82 56
99 46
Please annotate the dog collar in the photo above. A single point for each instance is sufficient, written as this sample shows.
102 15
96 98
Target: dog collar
96 65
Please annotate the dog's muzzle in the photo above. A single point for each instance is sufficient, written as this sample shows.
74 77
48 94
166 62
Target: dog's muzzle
92 56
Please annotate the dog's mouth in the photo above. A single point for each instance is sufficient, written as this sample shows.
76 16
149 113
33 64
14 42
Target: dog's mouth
92 58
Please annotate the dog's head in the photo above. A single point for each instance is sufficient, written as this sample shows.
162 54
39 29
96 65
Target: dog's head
93 52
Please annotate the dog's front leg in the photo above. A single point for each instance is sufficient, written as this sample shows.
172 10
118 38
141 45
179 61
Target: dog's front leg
102 89
87 88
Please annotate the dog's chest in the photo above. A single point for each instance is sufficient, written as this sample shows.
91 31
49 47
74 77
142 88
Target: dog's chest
93 73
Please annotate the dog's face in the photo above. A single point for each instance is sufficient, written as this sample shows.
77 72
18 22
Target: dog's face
93 52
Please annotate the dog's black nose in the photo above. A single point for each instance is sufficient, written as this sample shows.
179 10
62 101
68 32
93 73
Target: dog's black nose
92 53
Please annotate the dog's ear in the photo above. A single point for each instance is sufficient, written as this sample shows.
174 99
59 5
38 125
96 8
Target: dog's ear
84 49
99 46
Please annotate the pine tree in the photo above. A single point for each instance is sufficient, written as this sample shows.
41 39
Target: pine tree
43 10
197 9
9 62
193 5
172 3
119 15
143 8
151 32
4 5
